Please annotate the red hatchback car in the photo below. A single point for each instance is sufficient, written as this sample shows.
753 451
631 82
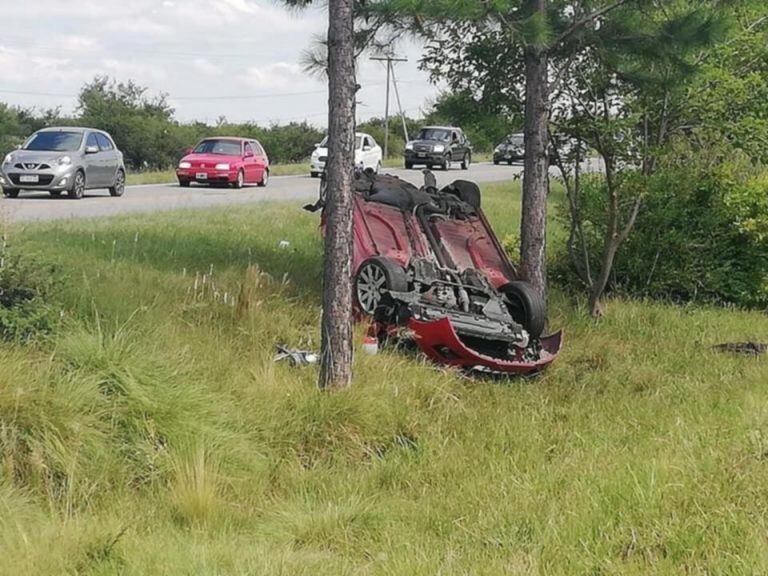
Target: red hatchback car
225 160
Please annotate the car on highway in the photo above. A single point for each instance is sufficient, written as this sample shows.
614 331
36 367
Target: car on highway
368 154
67 159
224 160
511 150
439 146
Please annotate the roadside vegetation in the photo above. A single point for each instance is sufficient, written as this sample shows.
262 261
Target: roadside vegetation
151 432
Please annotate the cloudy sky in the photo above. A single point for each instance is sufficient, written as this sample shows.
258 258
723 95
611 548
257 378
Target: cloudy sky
237 58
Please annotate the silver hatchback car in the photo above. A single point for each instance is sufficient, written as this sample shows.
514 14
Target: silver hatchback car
70 160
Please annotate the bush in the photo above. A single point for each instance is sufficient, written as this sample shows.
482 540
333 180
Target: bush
26 289
702 233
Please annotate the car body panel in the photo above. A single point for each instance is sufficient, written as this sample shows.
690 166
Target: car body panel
43 169
249 158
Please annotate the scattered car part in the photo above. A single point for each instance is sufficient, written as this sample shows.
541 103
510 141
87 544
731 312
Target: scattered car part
294 356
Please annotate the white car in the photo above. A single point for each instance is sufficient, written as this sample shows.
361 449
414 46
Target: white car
367 154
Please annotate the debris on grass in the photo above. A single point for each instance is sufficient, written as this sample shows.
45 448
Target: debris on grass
746 348
295 357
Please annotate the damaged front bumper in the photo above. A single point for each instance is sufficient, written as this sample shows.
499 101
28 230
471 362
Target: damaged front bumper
439 340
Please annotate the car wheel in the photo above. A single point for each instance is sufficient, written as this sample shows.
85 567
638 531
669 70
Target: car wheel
314 174
525 306
510 162
378 167
374 278
118 189
10 192
239 181
467 192
447 161
496 162
466 161
54 193
408 165
78 186
184 183
264 179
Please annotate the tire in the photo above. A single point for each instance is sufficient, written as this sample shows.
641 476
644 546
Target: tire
465 162
239 181
496 162
11 192
526 307
447 161
510 162
378 167
314 174
374 276
77 190
184 183
54 193
264 179
408 165
118 189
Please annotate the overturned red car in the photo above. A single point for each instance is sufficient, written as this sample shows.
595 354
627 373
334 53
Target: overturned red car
429 268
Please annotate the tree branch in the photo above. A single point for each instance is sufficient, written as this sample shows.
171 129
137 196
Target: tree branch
591 17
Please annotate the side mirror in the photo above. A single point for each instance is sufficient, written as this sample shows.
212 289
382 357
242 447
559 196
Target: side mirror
91 149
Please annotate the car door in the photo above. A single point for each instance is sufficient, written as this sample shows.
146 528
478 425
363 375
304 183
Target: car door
94 169
108 159
262 162
250 169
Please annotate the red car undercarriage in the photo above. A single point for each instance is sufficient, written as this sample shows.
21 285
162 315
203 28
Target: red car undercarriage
428 268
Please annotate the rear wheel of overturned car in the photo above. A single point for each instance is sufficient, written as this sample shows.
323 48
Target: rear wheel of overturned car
525 306
78 186
375 277
118 188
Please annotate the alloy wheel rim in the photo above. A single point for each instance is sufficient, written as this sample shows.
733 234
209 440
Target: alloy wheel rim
120 184
265 178
370 284
79 185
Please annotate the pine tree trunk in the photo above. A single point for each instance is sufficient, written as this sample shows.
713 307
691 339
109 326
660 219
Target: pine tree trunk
336 325
533 238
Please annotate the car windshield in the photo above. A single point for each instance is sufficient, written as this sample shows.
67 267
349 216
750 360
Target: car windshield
434 134
515 139
223 147
54 141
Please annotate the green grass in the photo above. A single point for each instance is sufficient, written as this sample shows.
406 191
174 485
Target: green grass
155 435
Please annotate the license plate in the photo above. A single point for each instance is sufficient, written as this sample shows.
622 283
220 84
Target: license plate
201 176
421 154
27 179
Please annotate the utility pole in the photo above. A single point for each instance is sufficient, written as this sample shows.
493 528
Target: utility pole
390 73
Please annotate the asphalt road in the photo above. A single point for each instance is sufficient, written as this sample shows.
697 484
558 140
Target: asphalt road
36 206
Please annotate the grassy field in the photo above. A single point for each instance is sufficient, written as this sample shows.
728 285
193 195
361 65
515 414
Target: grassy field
154 434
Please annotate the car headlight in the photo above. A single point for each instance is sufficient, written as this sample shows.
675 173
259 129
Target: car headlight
222 166
409 146
64 161
438 148
497 149
8 159
185 164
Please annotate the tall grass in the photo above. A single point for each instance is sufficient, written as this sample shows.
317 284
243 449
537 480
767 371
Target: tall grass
154 434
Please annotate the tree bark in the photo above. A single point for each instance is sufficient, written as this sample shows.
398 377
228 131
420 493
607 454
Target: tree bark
533 226
336 325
